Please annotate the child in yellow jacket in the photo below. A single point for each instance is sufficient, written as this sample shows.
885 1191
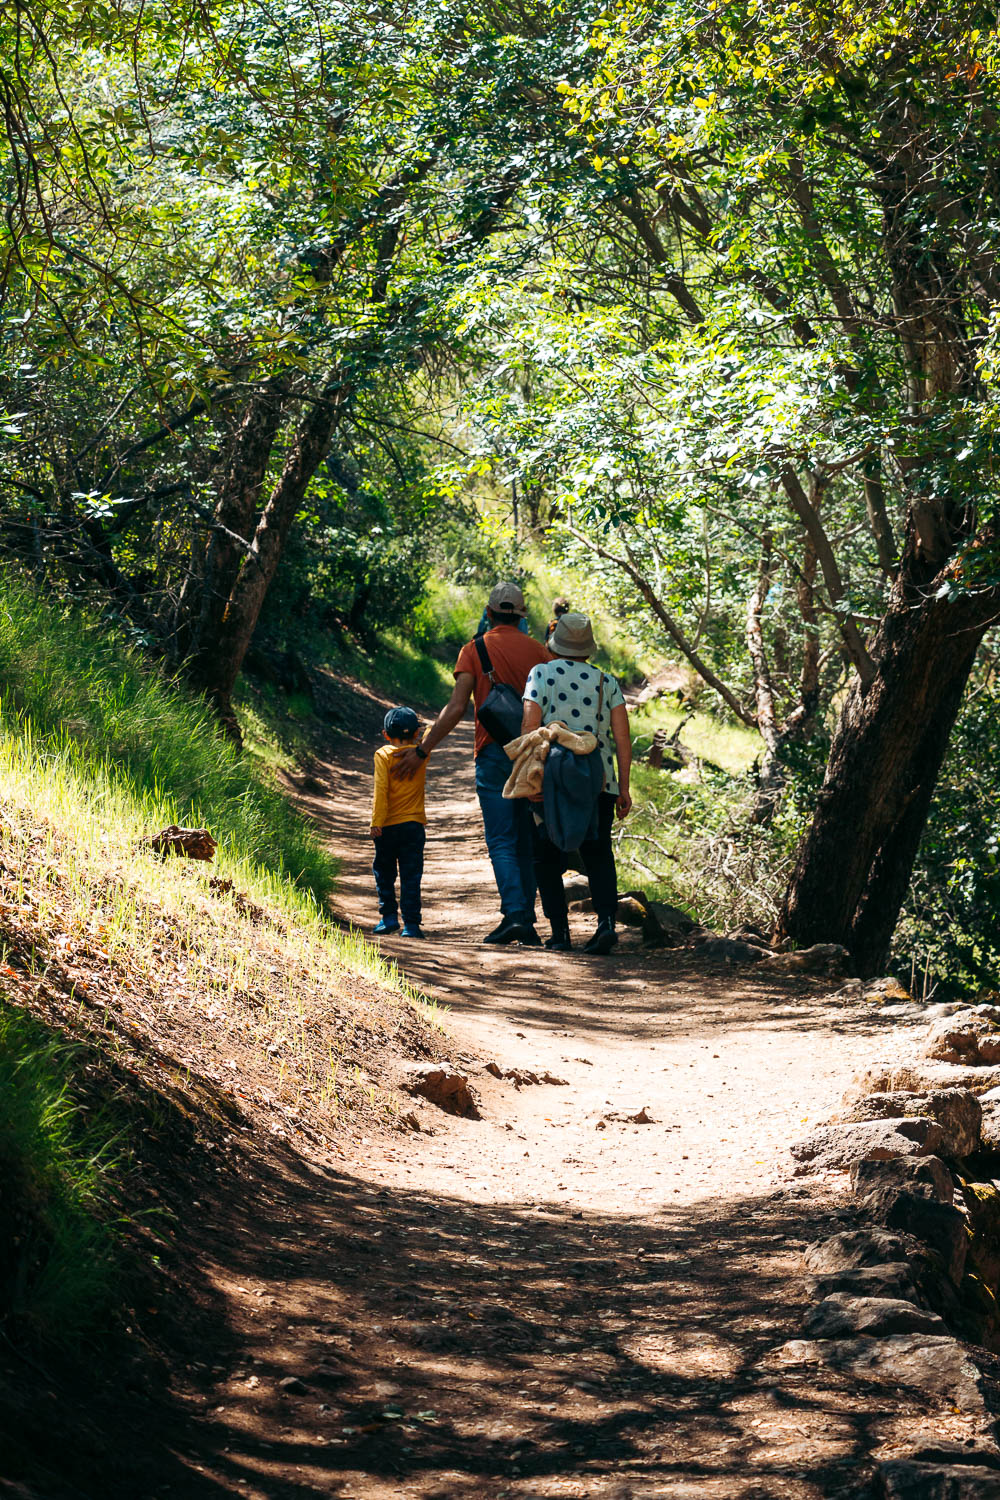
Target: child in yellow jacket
397 827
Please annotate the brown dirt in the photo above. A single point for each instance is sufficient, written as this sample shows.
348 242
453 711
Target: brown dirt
548 1302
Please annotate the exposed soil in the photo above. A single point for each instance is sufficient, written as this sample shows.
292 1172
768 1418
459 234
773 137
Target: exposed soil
550 1301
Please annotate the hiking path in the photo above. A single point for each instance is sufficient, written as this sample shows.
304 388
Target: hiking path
552 1300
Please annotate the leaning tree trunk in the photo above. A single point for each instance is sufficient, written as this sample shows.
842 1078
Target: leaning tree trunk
202 607
854 866
222 657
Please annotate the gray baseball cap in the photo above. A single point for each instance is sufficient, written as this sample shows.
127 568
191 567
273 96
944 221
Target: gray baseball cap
507 599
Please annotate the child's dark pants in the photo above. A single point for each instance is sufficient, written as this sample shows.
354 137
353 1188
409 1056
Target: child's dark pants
401 846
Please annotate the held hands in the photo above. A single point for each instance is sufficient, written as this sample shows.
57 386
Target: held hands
623 806
374 832
407 765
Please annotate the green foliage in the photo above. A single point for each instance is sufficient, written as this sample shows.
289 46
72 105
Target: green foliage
950 927
83 693
57 1235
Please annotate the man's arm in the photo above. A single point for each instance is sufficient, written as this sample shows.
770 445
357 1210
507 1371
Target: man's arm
408 764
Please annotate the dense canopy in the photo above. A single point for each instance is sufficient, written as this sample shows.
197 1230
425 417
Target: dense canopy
291 293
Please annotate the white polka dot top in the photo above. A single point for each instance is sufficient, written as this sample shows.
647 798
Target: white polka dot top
570 690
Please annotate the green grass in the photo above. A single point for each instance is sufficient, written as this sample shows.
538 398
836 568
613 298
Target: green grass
57 1243
400 669
690 842
730 746
80 693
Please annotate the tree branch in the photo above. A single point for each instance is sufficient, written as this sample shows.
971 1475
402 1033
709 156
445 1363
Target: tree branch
809 517
629 566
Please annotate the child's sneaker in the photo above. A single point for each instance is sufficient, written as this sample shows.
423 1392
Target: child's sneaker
411 929
383 927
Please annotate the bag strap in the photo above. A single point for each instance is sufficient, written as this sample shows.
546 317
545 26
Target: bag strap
600 701
484 658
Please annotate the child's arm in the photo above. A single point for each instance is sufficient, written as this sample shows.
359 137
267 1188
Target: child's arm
380 805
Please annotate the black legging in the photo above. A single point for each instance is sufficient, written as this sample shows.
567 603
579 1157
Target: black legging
598 861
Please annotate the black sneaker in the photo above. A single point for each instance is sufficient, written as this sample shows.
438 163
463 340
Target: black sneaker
560 941
516 927
604 938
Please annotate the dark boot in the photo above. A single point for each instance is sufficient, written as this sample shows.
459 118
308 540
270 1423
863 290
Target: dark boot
604 938
560 941
516 927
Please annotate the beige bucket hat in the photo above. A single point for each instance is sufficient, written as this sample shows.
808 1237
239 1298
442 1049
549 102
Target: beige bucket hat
507 599
573 637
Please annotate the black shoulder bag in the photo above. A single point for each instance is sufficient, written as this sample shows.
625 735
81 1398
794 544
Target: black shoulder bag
501 709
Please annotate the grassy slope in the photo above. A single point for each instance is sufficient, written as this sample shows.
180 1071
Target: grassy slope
675 846
225 988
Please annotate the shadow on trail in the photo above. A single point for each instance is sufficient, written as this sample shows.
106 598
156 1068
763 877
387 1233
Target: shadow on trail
644 996
460 1351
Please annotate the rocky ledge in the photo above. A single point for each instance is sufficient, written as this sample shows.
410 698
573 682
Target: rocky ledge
911 1295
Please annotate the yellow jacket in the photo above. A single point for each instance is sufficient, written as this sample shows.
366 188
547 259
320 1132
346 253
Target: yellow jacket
396 800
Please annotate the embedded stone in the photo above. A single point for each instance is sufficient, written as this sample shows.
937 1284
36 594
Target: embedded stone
726 950
840 1146
893 1281
923 1077
970 1036
853 1249
901 1479
957 1111
841 1316
937 1365
868 1177
443 1085
822 958
938 1226
989 1129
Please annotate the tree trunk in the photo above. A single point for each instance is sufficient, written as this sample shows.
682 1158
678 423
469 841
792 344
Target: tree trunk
854 866
205 598
222 656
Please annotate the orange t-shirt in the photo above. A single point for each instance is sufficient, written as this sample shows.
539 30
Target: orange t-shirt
512 655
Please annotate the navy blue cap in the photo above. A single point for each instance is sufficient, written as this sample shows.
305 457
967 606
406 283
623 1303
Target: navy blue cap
401 723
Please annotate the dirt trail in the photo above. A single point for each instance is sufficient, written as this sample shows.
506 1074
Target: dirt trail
731 1068
551 1302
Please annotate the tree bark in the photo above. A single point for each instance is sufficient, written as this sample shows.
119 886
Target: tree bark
770 777
238 481
855 863
221 657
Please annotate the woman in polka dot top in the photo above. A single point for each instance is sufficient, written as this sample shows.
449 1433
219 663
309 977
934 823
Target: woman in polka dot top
570 690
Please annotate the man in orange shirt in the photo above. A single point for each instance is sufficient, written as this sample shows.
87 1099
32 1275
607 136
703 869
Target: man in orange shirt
507 824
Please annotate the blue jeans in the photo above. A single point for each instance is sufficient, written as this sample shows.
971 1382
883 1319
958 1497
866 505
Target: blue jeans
400 846
507 825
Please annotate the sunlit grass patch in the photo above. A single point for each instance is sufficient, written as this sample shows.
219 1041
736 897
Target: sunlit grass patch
730 746
400 669
244 966
71 684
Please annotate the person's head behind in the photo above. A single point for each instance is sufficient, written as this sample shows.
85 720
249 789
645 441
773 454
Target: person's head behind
573 637
506 605
400 726
560 607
